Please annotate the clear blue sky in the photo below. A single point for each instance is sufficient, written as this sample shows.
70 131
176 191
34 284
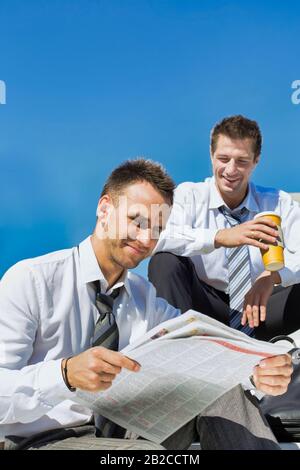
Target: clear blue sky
91 83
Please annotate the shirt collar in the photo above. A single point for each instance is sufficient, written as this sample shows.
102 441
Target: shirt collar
216 201
91 271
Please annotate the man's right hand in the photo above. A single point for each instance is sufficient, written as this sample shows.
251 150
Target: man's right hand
95 369
256 232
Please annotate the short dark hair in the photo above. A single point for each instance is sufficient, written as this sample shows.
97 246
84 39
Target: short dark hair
138 170
237 127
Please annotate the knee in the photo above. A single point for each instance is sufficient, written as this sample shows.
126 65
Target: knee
166 264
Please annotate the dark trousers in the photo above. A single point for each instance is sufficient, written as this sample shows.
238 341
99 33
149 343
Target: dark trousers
176 280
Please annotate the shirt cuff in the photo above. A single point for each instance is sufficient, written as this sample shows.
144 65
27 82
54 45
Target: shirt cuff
287 277
51 385
208 241
248 386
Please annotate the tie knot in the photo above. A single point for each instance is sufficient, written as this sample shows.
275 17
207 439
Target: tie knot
236 216
113 295
104 302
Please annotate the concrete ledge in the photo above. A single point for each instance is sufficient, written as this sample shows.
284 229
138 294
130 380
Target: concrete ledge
296 196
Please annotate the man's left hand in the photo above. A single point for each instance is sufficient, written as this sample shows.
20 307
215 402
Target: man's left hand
273 375
255 303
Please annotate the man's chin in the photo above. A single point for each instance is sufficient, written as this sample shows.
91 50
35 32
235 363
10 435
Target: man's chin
130 263
230 188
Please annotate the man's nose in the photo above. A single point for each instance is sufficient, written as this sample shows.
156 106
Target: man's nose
231 167
144 238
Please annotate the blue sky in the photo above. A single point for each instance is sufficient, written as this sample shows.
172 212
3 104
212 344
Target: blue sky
91 83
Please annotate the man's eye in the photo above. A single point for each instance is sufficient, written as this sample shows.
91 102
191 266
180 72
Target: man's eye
143 224
136 222
140 223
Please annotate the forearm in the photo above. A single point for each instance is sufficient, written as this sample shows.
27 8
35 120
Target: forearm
186 241
186 232
29 393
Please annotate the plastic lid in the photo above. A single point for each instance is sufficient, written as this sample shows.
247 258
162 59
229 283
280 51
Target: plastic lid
262 214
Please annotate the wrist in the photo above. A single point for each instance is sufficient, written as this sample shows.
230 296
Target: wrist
218 239
272 277
65 374
251 378
276 279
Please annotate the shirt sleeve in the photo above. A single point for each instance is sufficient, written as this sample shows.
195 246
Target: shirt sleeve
248 386
27 392
290 213
180 237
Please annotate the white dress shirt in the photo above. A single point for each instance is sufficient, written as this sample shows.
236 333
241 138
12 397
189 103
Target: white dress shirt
48 312
195 219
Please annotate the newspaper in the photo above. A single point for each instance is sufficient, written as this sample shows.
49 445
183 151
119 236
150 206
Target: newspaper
186 364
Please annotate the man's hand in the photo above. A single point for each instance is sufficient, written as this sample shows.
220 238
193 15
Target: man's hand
96 368
255 303
254 232
273 374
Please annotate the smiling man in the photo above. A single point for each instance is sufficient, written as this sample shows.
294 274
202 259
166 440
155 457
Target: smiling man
65 316
209 259
50 305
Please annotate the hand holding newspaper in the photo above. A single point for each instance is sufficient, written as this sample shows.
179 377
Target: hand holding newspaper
186 364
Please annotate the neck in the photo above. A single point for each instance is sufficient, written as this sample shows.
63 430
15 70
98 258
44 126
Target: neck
110 270
235 200
232 203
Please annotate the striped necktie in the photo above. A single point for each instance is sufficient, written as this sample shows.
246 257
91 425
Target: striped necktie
106 334
239 273
106 331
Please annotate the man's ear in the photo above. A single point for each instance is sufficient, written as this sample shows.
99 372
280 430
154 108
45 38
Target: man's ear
256 159
103 207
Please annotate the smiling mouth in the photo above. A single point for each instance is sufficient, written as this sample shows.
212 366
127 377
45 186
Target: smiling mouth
230 180
137 250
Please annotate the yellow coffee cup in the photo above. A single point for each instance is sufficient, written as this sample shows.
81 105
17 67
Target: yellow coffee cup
273 258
